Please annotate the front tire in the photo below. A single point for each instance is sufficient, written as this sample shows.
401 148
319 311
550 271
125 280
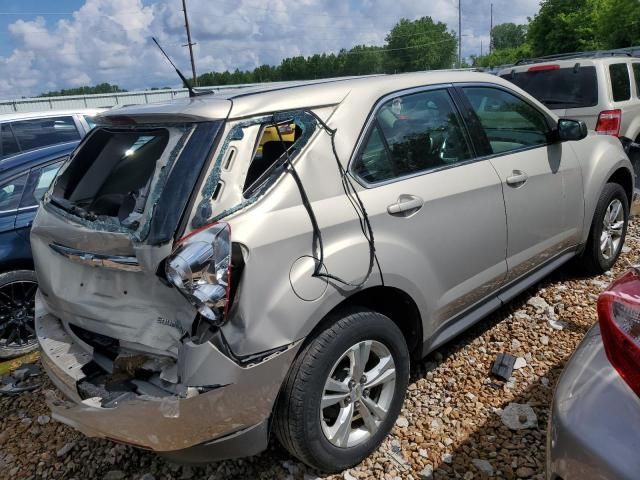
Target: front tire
608 230
344 391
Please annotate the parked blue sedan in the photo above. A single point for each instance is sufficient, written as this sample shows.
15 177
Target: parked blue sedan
24 179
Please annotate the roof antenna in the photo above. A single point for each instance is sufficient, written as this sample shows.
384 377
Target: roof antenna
185 82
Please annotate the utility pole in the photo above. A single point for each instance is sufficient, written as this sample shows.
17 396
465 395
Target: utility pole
459 33
481 48
491 32
189 44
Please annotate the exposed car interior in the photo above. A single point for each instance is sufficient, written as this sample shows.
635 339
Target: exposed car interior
117 171
270 149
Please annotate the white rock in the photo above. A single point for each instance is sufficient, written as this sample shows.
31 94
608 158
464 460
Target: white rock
557 324
396 446
423 453
539 303
520 363
65 449
347 476
515 344
427 473
402 422
447 458
522 315
544 340
544 381
44 419
483 465
518 416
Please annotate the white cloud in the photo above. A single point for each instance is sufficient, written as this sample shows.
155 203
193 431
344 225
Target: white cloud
110 40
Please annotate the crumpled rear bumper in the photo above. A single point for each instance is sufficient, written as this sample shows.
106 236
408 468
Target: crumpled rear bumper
242 400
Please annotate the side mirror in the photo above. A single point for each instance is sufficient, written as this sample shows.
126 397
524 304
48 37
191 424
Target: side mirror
571 130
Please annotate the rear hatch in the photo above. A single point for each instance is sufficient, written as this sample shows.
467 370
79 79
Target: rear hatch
109 221
570 91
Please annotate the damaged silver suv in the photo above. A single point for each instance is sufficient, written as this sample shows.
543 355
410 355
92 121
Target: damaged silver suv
219 268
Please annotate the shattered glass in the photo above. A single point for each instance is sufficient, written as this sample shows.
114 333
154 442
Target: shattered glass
136 228
204 213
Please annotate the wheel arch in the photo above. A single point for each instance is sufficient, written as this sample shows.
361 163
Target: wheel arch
624 178
16 264
392 302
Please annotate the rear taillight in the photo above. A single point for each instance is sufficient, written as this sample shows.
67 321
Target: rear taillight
200 268
609 122
619 315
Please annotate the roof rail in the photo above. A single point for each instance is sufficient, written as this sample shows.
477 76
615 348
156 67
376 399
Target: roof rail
627 51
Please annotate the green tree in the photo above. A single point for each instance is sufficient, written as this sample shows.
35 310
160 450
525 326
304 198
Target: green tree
504 56
617 23
563 26
86 90
419 45
508 35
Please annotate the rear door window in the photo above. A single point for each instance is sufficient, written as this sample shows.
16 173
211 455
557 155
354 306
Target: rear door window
412 134
11 193
636 75
559 88
8 144
509 122
620 82
41 132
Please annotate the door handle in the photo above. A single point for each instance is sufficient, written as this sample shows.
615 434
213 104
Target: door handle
517 178
405 206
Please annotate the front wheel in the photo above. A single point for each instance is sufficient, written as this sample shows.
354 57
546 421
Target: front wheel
608 230
344 392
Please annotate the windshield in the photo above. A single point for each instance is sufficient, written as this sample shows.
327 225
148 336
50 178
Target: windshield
575 87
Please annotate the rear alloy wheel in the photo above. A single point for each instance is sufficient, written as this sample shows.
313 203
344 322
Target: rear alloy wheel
608 230
17 313
344 391
358 393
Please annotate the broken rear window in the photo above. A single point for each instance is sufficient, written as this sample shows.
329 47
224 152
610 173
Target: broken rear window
112 174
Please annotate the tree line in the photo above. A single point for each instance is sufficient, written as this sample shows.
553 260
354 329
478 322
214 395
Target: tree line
564 26
560 26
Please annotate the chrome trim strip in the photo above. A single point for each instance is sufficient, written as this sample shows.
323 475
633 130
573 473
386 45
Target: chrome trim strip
113 262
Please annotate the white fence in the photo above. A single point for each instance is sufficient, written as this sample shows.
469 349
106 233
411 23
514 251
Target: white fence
101 100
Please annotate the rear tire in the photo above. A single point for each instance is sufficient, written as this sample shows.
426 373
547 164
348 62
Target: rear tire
608 230
351 424
17 296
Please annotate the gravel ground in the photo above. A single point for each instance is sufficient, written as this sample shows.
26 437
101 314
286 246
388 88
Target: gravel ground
450 426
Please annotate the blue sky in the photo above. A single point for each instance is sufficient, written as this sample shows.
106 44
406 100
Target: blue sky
15 10
93 41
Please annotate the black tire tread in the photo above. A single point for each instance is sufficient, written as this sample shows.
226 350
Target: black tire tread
589 261
288 426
